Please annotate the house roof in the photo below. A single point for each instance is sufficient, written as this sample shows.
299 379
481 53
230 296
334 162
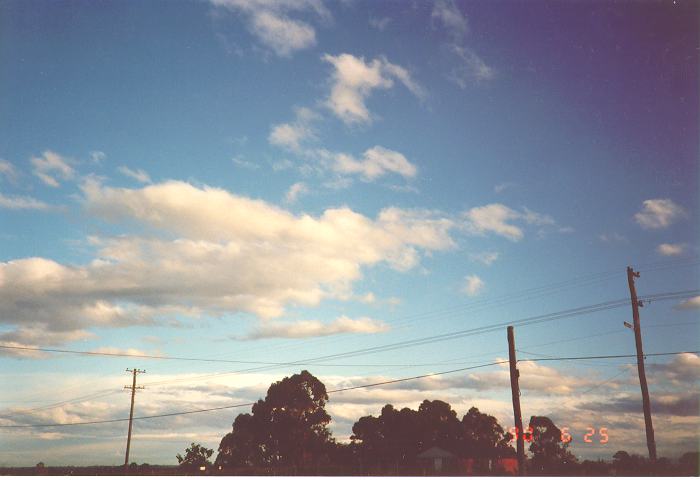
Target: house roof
436 452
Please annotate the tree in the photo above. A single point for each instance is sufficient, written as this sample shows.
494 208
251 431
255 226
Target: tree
397 437
626 464
287 428
484 439
549 453
439 426
689 463
196 456
244 446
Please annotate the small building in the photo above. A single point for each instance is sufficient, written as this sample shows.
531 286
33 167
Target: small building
435 460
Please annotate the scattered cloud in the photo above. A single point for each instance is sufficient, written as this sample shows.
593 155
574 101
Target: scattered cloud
612 237
486 258
282 165
314 328
671 249
270 22
138 175
495 218
295 191
473 285
22 203
448 15
50 166
8 170
690 304
501 187
379 23
97 157
658 213
354 80
376 162
240 162
469 67
292 135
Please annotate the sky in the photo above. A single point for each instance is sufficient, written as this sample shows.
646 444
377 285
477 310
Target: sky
279 181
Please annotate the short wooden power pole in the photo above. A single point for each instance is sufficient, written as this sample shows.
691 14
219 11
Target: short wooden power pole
133 389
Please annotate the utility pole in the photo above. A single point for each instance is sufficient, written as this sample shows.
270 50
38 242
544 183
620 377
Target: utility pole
133 389
515 390
651 444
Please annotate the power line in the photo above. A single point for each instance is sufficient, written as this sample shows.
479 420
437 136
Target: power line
454 335
486 329
339 390
506 299
212 360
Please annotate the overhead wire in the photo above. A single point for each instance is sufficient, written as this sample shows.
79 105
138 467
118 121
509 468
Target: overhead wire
537 319
339 390
453 335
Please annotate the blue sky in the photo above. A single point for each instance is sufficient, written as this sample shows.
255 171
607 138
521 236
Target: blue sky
276 181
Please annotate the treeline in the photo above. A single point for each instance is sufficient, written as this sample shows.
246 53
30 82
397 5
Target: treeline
287 433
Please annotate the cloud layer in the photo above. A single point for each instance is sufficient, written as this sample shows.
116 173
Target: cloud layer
202 250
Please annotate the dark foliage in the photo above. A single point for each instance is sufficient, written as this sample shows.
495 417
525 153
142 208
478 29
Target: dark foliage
549 454
287 428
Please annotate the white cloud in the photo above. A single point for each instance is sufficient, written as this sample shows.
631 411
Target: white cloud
473 285
238 161
122 351
496 218
282 34
447 13
51 165
314 328
8 170
208 252
288 135
469 67
376 162
295 191
97 156
138 175
671 249
282 165
487 258
379 23
354 80
292 135
269 21
22 203
501 187
658 213
690 304
613 237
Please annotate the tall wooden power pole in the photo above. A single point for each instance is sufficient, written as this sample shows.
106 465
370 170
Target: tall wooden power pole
515 391
133 389
651 444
